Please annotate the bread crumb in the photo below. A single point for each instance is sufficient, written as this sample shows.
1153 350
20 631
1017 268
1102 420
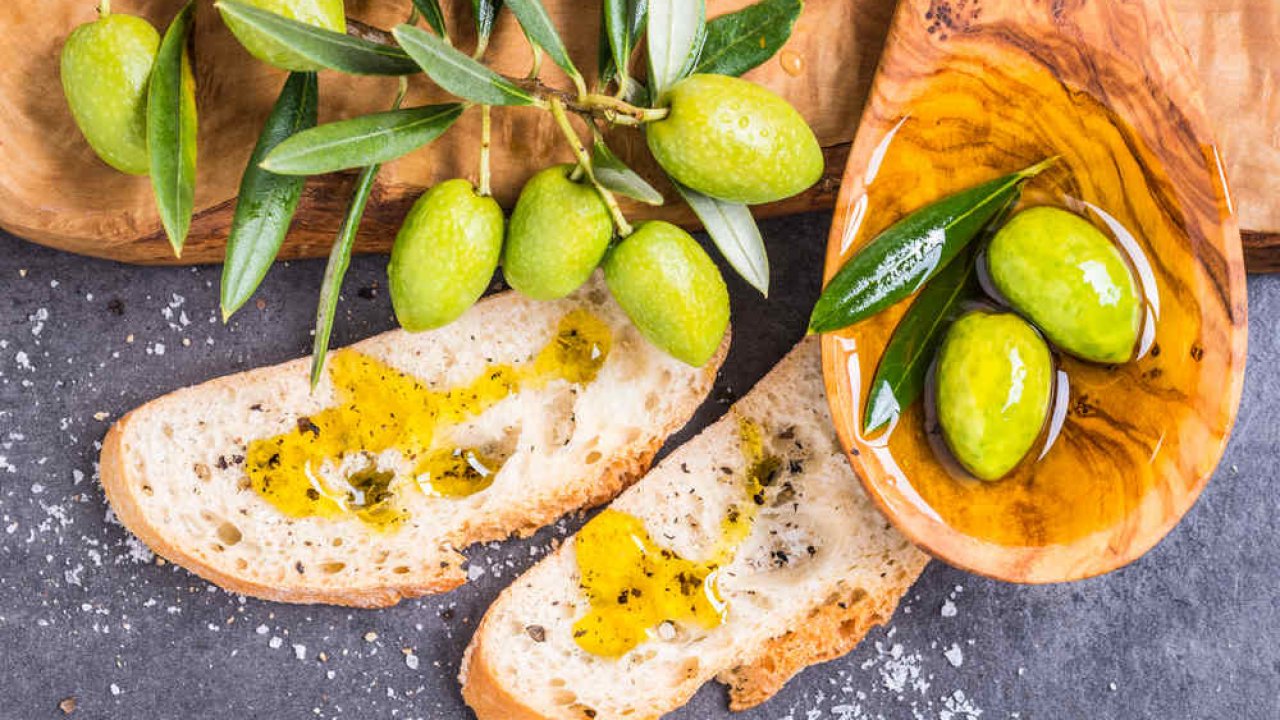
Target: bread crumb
100 416
370 636
948 609
67 706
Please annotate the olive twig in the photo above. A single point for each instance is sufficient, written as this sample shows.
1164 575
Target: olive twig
485 141
593 105
584 162
614 107
104 8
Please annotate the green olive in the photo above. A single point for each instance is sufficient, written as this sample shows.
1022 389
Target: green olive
734 140
105 68
992 385
671 290
559 231
324 14
1062 273
444 256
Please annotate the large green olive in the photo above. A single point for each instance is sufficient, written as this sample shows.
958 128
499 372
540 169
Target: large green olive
444 256
734 140
671 290
105 68
324 14
992 385
559 231
1062 273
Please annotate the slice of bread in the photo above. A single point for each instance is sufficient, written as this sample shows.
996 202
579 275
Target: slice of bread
176 474
818 567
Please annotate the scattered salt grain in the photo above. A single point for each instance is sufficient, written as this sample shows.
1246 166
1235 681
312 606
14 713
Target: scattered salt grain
954 655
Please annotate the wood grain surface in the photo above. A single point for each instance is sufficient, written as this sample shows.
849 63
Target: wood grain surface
969 90
54 190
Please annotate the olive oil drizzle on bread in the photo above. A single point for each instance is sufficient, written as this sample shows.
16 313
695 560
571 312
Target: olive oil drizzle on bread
381 408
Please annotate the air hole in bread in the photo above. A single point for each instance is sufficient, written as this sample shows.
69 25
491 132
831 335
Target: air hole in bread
167 429
556 682
564 697
633 435
651 402
337 542
332 568
242 564
229 534
202 472
401 570
593 457
146 490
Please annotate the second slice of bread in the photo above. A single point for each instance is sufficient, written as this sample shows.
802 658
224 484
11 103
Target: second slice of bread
174 469
819 567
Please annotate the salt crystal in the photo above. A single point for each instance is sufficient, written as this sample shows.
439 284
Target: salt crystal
954 655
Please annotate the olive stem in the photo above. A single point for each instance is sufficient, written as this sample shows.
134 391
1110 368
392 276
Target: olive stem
401 91
104 8
481 45
604 107
617 106
536 68
584 162
485 141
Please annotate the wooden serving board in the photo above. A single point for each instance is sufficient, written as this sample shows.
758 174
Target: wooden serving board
53 190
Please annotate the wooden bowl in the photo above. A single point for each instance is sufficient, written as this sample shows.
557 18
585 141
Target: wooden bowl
968 90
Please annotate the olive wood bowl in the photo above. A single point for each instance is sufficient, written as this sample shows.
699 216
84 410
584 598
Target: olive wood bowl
968 90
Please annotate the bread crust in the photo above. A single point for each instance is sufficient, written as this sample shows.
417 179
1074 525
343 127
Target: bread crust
119 482
832 630
482 689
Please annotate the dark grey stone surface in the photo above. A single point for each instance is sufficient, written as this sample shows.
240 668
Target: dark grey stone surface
1190 631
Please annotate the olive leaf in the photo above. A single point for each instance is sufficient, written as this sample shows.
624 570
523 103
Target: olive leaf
902 258
485 12
735 233
171 130
266 201
742 40
677 29
457 73
541 31
332 50
377 138
623 21
900 376
431 12
336 269
614 175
